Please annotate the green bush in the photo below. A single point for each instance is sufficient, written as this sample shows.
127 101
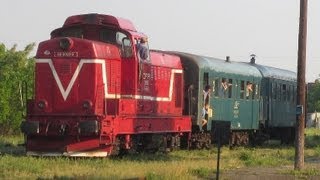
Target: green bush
16 74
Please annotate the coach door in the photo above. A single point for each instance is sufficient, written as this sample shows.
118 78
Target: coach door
205 110
245 106
255 95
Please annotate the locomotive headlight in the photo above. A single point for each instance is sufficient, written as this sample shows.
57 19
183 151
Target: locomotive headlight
66 43
42 104
87 104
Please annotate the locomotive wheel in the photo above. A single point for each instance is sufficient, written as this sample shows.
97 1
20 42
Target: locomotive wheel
116 148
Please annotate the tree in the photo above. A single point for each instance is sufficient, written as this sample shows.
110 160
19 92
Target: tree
314 98
16 74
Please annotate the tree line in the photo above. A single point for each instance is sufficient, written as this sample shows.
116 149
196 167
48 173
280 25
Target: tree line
16 86
314 97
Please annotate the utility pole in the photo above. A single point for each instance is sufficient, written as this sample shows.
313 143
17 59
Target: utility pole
301 93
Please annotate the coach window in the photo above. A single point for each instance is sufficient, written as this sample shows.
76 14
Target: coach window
242 90
284 92
205 79
294 93
289 94
224 86
249 89
215 87
230 88
279 91
274 91
256 91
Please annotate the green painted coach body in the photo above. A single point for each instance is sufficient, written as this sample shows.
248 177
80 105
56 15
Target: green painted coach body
278 96
258 100
235 103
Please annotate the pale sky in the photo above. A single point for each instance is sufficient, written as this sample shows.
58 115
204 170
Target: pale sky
216 28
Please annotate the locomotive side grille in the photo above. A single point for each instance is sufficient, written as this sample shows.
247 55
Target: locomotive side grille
178 89
114 80
65 68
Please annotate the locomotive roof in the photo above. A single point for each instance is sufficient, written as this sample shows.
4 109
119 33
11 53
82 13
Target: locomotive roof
100 19
276 73
219 65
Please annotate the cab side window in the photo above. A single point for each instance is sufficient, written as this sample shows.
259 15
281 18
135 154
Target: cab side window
126 48
119 39
108 36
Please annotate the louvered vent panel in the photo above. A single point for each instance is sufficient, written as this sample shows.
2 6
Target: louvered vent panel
178 88
65 68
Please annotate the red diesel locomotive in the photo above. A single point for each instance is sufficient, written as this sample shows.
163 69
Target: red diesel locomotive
94 95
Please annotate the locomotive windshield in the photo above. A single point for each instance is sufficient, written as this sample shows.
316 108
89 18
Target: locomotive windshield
98 33
107 35
69 32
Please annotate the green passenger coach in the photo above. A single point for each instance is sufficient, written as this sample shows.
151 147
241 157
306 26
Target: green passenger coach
257 100
279 89
233 102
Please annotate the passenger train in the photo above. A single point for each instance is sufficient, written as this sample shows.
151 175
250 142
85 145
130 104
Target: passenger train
95 96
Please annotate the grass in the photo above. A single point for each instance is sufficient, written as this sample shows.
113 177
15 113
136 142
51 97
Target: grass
267 157
303 174
312 137
176 165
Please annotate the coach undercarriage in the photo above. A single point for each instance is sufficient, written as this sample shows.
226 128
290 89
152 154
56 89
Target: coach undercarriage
204 140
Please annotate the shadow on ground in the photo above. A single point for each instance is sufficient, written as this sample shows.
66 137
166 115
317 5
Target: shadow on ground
11 149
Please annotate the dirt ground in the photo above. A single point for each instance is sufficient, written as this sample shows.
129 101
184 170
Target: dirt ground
273 173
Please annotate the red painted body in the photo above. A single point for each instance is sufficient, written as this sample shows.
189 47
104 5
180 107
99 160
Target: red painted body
92 93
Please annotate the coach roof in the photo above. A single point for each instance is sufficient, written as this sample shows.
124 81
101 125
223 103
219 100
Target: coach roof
276 73
219 65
